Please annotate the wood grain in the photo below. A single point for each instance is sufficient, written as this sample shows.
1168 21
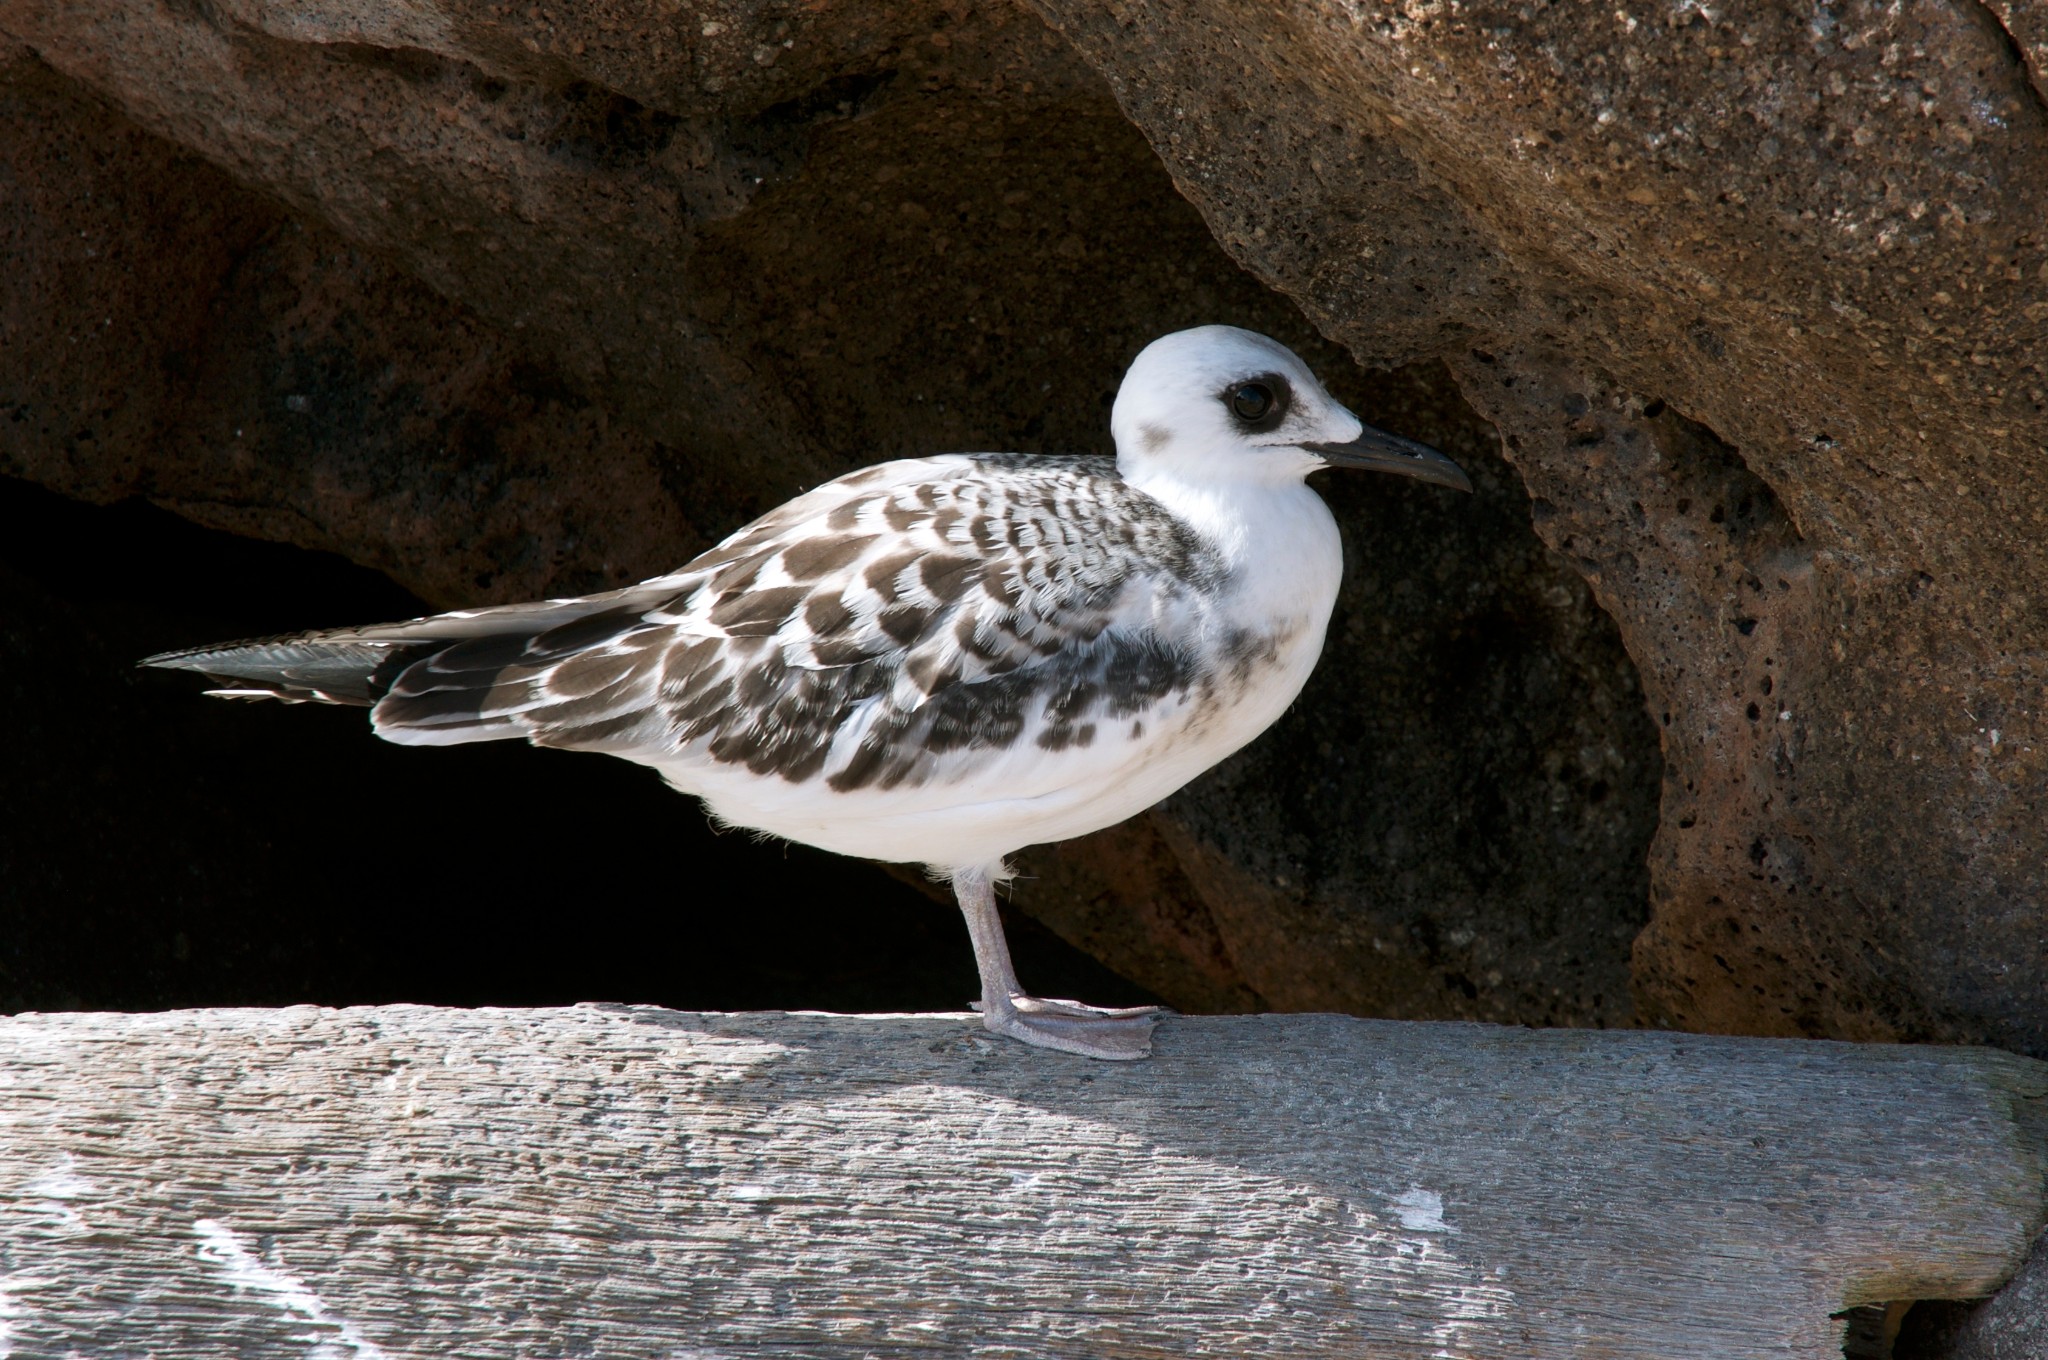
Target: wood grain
619 1181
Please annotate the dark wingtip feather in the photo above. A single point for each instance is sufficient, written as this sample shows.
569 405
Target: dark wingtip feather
296 669
194 658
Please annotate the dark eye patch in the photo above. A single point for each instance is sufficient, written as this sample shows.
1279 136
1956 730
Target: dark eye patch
1258 405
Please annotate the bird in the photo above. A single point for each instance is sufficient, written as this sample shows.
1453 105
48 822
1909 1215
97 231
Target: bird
938 660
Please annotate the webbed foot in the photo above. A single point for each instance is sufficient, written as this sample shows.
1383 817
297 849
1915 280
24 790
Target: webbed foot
1090 1031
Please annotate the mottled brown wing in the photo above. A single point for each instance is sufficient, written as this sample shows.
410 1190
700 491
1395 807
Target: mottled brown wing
858 633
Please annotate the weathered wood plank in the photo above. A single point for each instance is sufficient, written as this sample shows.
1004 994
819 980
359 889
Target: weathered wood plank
626 1181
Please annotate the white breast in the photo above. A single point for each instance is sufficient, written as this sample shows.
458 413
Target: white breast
1257 637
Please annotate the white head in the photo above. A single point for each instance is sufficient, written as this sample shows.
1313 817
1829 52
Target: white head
1217 405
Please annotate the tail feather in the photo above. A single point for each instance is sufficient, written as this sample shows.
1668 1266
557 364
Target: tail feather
468 670
298 669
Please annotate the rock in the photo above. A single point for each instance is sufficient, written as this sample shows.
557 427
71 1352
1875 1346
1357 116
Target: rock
1756 301
175 335
959 247
525 303
1736 317
2010 1325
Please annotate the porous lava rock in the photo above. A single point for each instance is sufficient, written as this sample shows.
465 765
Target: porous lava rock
1735 318
465 275
1756 298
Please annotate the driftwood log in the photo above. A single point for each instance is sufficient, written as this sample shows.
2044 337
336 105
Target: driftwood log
620 1182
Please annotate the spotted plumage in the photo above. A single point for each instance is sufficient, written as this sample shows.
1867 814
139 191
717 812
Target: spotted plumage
936 659
879 631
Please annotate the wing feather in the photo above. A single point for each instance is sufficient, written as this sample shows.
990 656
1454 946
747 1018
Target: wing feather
867 632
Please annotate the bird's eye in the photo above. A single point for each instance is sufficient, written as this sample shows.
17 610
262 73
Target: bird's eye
1258 404
1251 401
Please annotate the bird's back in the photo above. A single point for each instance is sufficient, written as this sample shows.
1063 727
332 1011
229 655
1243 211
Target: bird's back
900 581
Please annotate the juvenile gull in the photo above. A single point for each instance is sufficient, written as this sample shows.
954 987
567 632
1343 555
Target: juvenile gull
935 660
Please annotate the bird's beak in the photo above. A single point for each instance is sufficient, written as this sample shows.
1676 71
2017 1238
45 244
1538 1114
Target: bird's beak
1378 451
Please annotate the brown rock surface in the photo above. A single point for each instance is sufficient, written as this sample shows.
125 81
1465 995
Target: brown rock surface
510 303
171 334
957 242
1757 298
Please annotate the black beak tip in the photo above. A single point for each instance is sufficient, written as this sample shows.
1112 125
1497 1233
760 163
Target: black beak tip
1378 451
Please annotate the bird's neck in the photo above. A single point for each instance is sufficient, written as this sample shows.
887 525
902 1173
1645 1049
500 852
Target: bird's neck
1276 540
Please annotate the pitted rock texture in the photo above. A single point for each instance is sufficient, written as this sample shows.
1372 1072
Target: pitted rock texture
1757 299
1785 269
959 244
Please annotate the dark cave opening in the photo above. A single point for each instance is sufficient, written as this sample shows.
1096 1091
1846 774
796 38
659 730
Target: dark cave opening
160 849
